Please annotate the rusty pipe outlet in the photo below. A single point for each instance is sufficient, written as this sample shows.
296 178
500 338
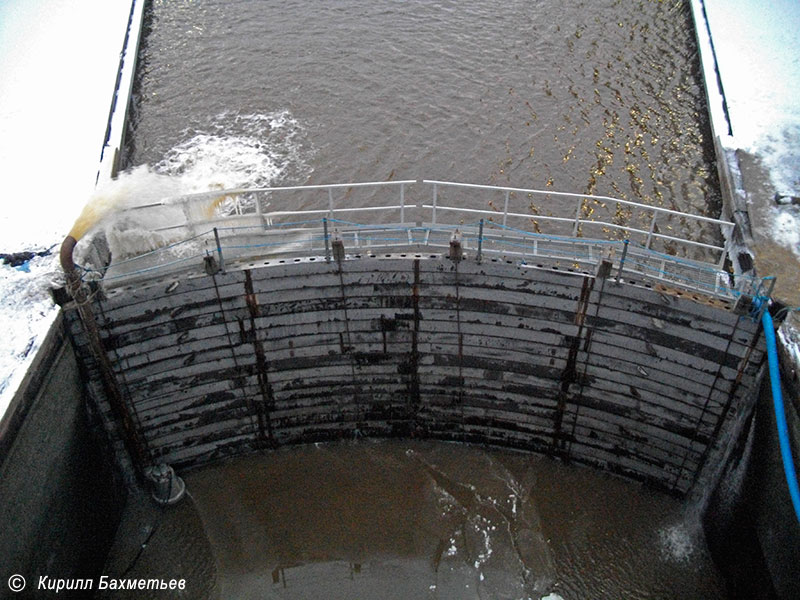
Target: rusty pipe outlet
131 434
68 264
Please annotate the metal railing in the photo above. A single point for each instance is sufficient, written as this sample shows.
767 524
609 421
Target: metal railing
578 223
300 221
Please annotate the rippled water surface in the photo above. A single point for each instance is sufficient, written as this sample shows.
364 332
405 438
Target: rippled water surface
422 520
600 97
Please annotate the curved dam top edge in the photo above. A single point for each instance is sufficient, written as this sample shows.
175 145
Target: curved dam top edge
640 380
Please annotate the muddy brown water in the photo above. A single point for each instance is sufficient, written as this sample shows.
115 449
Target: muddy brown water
600 97
399 519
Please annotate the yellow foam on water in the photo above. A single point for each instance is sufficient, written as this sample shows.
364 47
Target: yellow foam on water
214 205
140 187
100 207
96 209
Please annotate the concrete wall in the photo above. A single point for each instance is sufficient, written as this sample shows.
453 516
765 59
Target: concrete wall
59 507
646 382
771 507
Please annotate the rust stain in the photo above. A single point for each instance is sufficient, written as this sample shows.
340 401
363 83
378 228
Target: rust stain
250 296
264 407
569 374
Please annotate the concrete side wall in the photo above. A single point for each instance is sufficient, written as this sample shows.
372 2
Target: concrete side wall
641 381
770 503
58 511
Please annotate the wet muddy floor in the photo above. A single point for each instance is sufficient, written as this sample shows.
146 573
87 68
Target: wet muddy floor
403 519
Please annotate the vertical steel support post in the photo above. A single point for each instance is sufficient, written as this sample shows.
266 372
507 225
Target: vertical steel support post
577 218
402 203
505 209
480 241
327 241
622 260
219 251
260 212
727 234
652 229
188 215
433 214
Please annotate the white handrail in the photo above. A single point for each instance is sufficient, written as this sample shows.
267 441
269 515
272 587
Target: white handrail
437 207
212 194
253 226
580 196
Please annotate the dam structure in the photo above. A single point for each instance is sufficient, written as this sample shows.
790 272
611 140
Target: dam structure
439 310
583 327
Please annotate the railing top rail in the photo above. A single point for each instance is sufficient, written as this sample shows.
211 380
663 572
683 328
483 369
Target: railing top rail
288 188
249 227
496 188
574 195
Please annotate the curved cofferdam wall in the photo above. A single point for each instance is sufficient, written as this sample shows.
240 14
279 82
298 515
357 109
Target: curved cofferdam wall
642 381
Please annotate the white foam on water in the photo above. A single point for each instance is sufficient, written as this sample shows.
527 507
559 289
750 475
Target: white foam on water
255 150
235 151
677 542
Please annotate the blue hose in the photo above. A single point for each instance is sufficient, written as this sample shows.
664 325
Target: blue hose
780 413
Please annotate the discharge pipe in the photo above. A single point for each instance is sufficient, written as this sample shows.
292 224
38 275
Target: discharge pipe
133 440
67 262
780 412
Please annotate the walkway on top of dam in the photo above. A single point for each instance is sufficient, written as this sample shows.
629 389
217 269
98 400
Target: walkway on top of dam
236 320
574 232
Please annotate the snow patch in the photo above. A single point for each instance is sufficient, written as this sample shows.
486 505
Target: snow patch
786 227
789 336
27 312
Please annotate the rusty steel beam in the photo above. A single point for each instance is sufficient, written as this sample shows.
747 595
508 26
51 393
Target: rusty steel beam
264 407
569 374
